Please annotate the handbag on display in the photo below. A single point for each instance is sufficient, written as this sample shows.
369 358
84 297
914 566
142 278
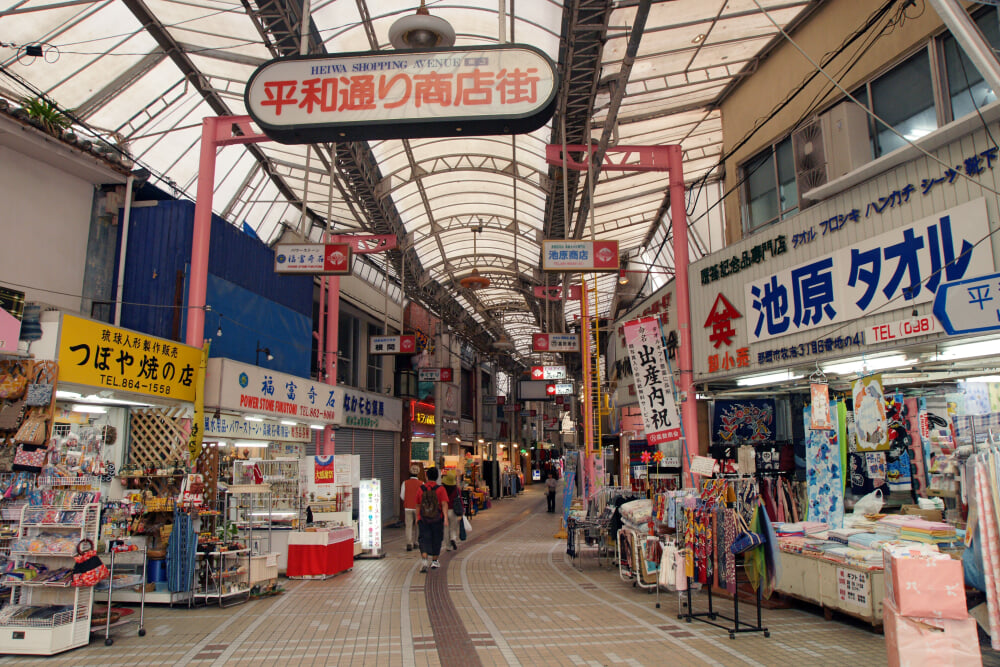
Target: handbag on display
89 569
11 415
7 451
29 458
746 539
13 382
39 392
34 430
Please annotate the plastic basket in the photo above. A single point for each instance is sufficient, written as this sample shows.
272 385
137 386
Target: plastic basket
260 571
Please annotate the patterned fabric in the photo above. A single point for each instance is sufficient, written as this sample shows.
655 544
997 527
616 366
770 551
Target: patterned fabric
990 544
983 423
729 535
824 476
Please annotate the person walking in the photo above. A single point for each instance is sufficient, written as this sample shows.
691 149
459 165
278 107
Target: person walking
409 492
432 518
455 509
550 491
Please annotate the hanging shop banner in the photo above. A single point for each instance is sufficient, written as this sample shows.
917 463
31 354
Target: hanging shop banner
582 256
654 383
744 420
825 479
392 344
556 293
904 266
99 355
324 471
870 426
436 374
11 312
820 402
313 258
548 372
236 427
370 514
361 409
923 325
550 342
249 389
196 436
460 91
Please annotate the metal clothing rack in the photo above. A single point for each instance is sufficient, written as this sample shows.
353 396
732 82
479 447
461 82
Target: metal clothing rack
711 616
139 581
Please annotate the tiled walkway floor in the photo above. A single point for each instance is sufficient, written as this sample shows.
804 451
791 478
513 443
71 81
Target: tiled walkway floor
509 596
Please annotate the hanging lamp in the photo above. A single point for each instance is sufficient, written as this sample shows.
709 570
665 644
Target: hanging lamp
421 31
503 343
475 280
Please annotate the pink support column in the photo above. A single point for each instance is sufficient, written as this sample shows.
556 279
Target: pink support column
332 320
198 281
678 214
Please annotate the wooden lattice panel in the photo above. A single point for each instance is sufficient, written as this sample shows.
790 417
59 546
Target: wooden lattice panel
208 465
159 437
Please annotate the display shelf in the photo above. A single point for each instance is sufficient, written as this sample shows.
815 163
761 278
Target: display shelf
222 576
67 481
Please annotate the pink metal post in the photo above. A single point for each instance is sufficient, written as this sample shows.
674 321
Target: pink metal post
328 446
198 283
678 215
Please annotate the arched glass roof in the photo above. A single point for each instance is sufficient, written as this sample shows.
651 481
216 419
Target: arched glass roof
142 74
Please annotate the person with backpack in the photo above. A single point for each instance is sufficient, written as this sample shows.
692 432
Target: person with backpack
455 508
432 518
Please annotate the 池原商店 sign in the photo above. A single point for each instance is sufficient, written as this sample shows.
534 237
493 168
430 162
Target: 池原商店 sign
585 256
461 91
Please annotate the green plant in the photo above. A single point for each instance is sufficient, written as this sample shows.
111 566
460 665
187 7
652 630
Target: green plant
46 113
227 532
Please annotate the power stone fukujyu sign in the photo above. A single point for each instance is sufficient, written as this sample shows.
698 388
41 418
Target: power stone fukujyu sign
466 91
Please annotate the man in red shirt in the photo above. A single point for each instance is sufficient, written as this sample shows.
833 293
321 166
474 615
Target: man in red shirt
409 493
432 517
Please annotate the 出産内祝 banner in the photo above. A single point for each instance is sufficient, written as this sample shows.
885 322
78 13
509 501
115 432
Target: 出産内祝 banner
654 383
100 355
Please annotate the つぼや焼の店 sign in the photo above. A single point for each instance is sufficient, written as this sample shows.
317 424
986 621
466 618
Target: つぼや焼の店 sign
461 91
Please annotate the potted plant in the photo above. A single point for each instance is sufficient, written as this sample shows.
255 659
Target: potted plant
45 115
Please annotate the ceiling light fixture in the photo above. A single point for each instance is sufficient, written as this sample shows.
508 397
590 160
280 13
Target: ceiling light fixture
767 378
421 31
859 364
251 443
94 409
699 38
622 277
968 350
316 427
474 280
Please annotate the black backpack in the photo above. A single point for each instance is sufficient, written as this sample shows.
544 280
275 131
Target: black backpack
430 504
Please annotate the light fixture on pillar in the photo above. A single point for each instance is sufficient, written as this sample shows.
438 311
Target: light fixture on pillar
421 31
267 353
622 277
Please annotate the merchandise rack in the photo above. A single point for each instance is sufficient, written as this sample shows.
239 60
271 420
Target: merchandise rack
112 585
218 580
66 629
711 615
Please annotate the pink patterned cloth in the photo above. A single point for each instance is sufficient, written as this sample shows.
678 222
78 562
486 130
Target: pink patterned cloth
990 544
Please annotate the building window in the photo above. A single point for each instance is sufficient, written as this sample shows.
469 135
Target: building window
966 89
348 352
904 98
468 389
769 182
375 363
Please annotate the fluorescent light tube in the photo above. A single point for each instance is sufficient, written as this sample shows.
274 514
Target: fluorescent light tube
782 376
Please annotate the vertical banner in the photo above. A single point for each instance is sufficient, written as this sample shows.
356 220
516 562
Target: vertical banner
824 475
11 312
820 395
370 514
323 470
198 423
654 383
870 427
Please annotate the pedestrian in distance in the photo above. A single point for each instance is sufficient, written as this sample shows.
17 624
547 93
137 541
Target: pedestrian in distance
432 519
455 508
550 491
409 492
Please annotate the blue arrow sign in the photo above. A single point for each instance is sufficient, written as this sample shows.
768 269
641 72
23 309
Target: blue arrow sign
969 306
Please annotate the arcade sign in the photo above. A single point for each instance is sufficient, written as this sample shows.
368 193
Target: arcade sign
548 372
392 344
436 375
313 258
550 342
459 91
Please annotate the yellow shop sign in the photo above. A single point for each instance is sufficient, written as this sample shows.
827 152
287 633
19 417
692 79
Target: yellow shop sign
100 355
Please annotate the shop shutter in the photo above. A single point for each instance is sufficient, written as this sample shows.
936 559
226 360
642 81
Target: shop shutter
385 469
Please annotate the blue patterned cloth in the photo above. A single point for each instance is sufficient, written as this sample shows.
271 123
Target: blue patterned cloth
824 475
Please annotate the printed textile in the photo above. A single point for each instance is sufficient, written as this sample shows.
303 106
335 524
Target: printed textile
824 476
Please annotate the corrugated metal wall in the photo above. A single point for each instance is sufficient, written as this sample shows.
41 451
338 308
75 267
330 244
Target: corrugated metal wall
940 197
159 246
377 450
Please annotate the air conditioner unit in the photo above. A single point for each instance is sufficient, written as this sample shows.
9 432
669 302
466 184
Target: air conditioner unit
830 146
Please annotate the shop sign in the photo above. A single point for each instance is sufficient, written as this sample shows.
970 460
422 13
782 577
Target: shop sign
370 514
461 91
236 427
720 318
853 588
324 470
406 344
904 266
969 306
11 311
563 389
436 374
489 400
583 256
424 418
556 293
313 258
546 342
364 410
726 360
548 372
525 413
910 328
654 382
755 255
802 350
99 355
244 388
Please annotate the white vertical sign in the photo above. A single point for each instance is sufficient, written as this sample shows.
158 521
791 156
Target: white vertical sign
370 514
654 383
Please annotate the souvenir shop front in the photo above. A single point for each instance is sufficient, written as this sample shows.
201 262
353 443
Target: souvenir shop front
98 438
422 423
851 384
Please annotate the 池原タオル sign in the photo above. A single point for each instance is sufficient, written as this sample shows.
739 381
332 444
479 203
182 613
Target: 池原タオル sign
462 91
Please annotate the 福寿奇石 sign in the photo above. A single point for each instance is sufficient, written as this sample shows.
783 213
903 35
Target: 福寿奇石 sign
313 258
461 91
895 269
